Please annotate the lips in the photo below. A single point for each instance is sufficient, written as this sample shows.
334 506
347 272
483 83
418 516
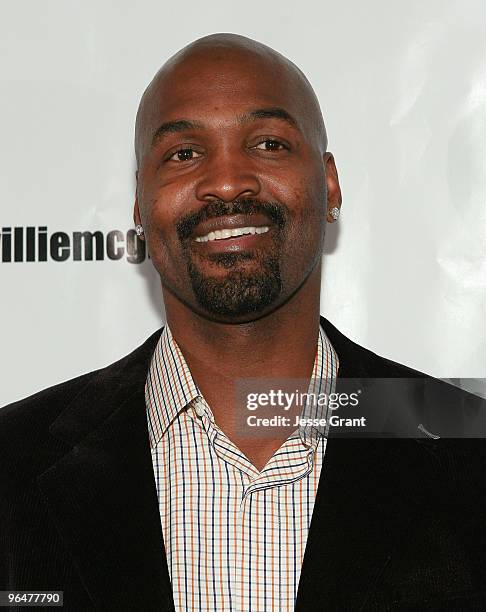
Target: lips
236 232
224 227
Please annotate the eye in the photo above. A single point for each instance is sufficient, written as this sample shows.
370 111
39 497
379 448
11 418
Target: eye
185 154
270 144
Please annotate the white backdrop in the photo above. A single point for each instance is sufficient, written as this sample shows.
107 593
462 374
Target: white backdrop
403 90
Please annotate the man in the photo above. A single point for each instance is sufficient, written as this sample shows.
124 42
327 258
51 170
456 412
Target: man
137 488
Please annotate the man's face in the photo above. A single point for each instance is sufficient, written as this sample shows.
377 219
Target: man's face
232 187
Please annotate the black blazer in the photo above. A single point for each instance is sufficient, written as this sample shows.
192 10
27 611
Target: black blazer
398 524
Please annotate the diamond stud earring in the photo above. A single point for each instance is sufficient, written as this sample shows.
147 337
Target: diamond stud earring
139 230
334 212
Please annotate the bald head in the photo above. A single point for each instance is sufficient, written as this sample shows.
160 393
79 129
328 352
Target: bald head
222 63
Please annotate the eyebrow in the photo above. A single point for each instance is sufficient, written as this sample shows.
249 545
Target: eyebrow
184 125
273 112
173 127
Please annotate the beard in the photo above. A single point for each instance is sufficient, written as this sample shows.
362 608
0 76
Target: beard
240 292
244 290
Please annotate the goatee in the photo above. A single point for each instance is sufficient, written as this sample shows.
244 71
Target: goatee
240 292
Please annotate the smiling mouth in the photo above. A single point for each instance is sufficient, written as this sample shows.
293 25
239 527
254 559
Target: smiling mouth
228 233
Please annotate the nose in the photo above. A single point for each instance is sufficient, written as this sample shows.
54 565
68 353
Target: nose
227 176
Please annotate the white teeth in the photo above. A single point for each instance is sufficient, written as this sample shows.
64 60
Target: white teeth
229 233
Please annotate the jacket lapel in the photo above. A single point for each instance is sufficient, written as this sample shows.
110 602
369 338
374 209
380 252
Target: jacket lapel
369 492
102 493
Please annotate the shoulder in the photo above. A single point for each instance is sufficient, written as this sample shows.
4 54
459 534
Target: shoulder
34 413
356 360
24 425
408 395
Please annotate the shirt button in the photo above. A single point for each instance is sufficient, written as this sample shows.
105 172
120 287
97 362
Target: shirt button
199 408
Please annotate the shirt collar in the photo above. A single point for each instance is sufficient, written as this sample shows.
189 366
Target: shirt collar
170 387
322 382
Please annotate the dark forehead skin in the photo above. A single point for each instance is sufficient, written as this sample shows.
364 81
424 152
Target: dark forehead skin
232 67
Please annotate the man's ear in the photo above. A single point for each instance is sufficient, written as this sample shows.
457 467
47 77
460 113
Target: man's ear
334 197
136 211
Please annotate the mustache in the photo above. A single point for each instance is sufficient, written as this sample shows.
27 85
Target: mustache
276 212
